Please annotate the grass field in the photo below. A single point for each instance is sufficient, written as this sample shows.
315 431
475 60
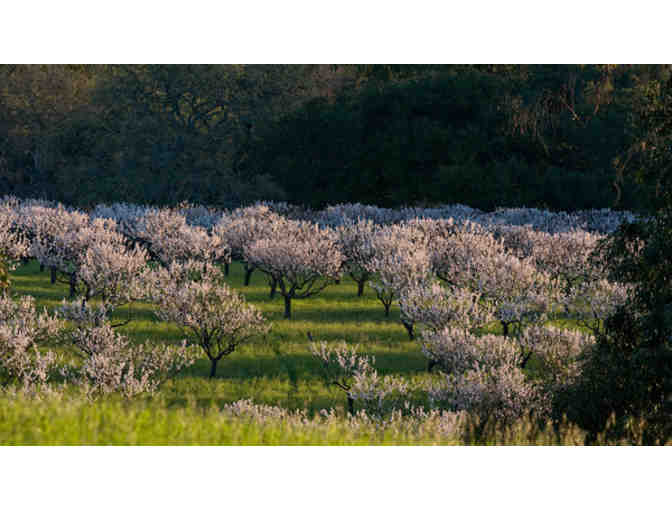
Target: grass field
276 370
62 420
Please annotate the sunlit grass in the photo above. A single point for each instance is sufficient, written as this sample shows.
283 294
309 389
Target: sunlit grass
276 369
66 420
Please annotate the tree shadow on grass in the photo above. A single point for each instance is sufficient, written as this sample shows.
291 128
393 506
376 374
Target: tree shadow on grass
333 314
304 366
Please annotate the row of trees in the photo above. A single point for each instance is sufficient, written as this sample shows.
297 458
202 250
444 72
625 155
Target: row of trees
451 277
501 272
229 134
102 253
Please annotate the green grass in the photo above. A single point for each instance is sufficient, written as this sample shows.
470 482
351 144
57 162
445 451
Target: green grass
65 420
113 422
275 370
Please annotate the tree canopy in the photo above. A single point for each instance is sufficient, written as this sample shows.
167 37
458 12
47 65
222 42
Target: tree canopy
558 136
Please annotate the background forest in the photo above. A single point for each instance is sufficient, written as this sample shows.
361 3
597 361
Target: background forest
552 136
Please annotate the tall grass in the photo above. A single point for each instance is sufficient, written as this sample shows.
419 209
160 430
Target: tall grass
68 420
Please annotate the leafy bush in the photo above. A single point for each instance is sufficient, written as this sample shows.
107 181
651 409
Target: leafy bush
630 371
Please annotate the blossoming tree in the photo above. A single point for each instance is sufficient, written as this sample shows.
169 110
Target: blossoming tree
213 315
301 258
13 245
22 331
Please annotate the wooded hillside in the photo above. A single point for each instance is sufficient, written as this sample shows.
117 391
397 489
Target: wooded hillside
555 136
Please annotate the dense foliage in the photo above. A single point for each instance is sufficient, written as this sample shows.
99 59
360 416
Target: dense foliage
629 373
499 136
485 135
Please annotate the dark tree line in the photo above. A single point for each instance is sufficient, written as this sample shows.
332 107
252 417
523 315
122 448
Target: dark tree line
485 135
488 136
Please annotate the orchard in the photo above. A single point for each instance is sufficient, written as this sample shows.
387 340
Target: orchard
271 315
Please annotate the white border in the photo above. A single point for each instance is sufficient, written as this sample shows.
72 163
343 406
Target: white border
291 31
336 477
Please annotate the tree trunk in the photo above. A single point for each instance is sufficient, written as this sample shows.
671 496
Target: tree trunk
248 275
337 281
53 275
288 307
226 269
387 309
431 364
41 268
274 288
360 288
213 367
409 329
505 327
73 285
351 405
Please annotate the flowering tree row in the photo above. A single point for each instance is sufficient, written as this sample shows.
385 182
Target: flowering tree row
520 271
452 277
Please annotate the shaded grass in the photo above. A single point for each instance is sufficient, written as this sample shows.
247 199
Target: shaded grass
276 369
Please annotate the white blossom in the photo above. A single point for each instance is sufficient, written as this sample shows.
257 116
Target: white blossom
435 306
566 257
457 350
169 238
458 259
356 376
299 257
354 241
22 331
501 392
401 260
212 314
13 244
592 301
558 350
111 364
